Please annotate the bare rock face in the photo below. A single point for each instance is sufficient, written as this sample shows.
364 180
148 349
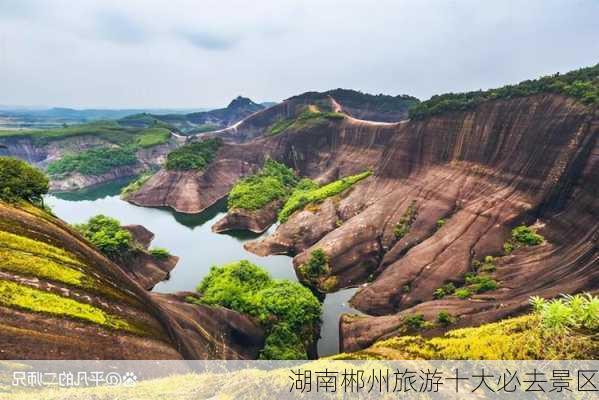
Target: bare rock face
143 267
256 221
233 335
189 191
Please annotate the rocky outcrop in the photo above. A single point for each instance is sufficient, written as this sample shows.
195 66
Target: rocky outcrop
256 221
483 171
89 308
192 192
144 268
79 181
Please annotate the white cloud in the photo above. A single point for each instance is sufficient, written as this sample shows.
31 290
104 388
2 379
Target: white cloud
183 53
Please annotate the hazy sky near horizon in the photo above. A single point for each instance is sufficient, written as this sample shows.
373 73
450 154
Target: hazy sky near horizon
184 53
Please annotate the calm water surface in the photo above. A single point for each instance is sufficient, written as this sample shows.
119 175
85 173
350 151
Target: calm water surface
190 238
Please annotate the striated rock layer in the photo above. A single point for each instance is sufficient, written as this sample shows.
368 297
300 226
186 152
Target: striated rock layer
527 160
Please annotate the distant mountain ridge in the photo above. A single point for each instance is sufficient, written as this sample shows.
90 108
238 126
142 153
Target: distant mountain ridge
203 121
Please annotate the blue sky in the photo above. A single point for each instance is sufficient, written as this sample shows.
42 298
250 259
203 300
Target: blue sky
183 53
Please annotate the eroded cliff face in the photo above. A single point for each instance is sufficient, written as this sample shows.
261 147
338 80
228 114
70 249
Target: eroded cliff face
61 299
527 160
42 152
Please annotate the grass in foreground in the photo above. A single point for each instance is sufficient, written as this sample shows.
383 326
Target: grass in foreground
29 299
560 329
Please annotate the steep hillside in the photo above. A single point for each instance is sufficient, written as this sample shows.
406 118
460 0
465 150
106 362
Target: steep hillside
446 192
61 299
204 121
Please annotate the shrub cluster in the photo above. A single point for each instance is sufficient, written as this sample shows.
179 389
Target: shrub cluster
307 192
93 162
522 236
274 181
160 253
20 181
582 84
135 185
193 156
445 290
560 315
107 235
316 266
288 311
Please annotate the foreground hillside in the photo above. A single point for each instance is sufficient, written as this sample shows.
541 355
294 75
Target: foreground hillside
60 298
476 204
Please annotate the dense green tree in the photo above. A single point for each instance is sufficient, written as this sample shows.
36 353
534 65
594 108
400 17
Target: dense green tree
107 235
21 181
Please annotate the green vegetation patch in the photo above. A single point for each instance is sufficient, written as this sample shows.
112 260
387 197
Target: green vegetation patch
93 162
405 222
20 181
107 235
24 263
307 192
310 115
522 236
160 253
24 244
193 156
288 311
153 137
135 185
316 271
26 298
273 182
582 84
561 315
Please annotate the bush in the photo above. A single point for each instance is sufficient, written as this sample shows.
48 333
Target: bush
193 156
160 253
445 318
480 283
93 162
415 321
440 223
20 181
317 265
282 307
443 291
580 311
522 236
274 181
463 293
283 344
526 236
107 235
307 192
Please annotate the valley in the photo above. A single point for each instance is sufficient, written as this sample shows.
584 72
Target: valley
407 221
